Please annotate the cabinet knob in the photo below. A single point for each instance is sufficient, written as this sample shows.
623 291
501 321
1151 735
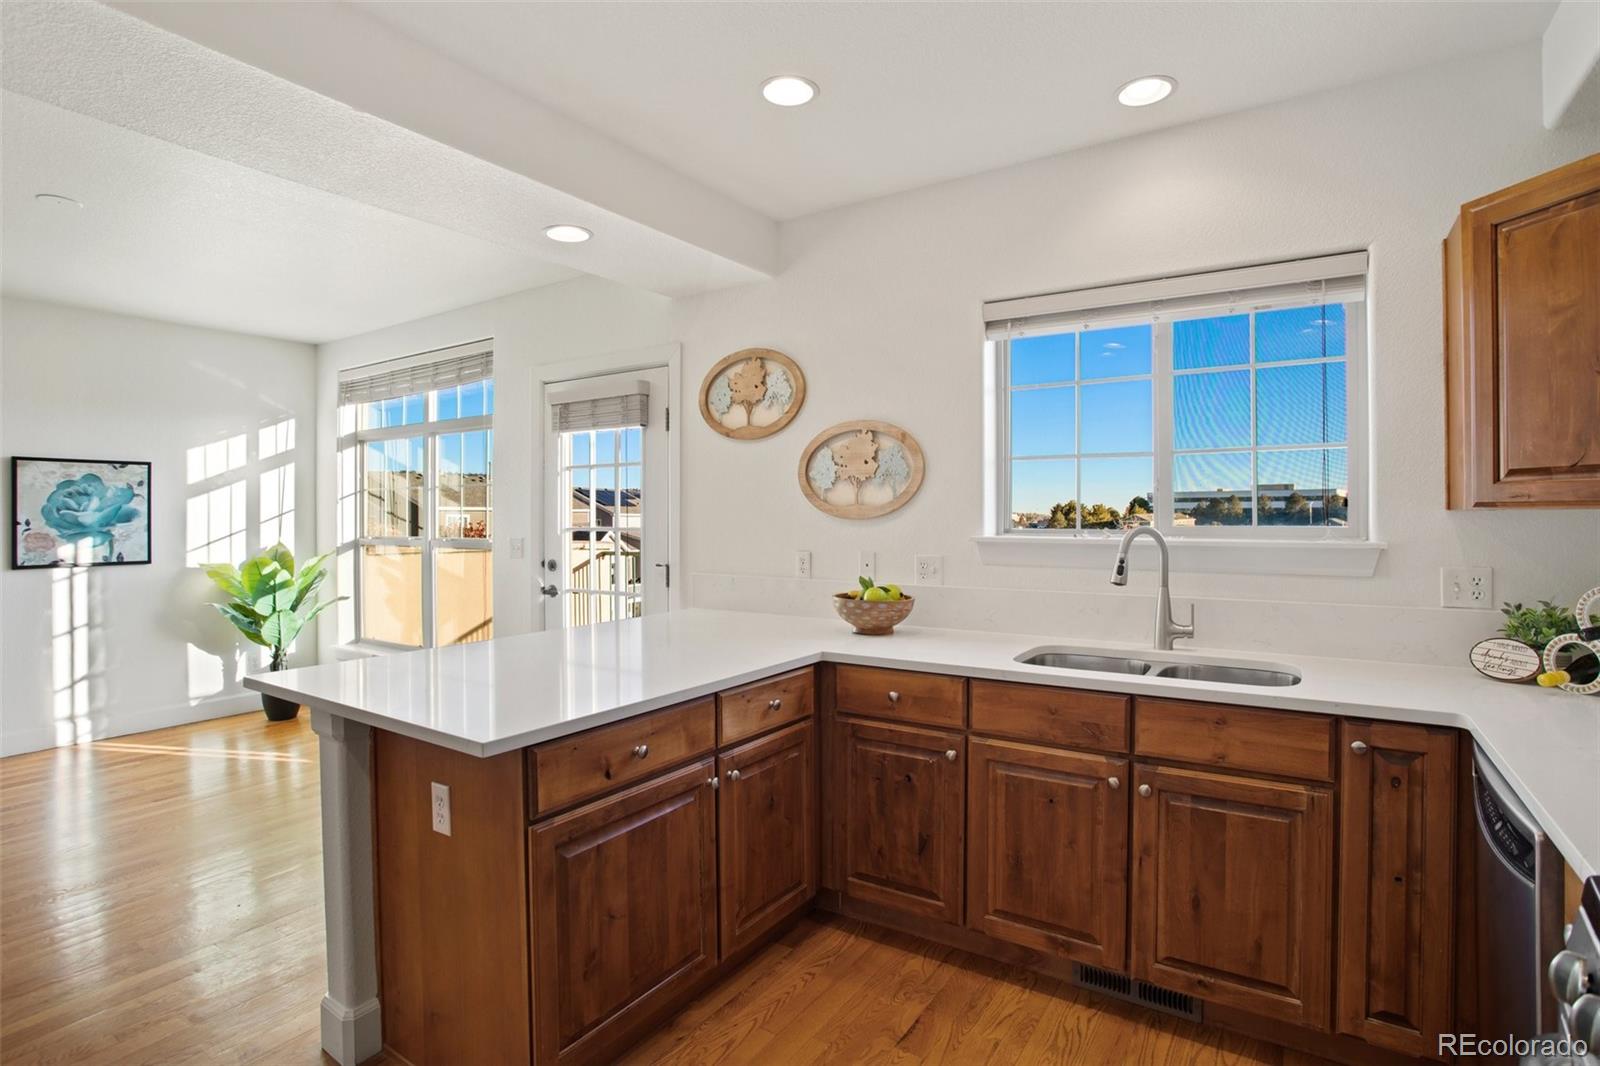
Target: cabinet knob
1358 746
950 754
1113 782
641 750
733 775
894 697
773 705
1144 790
715 782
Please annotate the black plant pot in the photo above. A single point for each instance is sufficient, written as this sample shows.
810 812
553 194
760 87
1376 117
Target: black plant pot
279 709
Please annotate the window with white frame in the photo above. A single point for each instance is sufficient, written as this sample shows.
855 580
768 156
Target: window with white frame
416 496
1222 405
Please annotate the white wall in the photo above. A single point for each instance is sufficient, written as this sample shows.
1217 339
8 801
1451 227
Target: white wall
879 303
103 651
567 321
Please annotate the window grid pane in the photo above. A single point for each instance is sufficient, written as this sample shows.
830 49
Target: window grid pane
602 479
1080 407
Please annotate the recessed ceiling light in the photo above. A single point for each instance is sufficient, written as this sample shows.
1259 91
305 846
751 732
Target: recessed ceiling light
788 90
1150 89
567 234
56 198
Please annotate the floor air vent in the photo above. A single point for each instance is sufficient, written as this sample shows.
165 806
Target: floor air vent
1141 992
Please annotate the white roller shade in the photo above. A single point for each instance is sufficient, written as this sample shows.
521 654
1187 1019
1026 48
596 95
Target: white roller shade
440 369
582 406
1330 279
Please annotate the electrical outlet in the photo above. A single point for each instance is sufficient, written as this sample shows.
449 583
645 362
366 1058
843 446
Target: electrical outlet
869 565
1466 586
441 808
802 564
930 569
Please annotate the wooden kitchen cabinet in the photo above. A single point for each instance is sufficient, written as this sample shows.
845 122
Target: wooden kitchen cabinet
623 895
1522 344
1395 961
767 836
901 807
1047 849
1232 891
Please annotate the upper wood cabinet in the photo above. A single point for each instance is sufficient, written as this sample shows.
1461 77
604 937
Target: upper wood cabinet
901 804
1232 891
624 903
1047 849
767 833
1522 344
1396 884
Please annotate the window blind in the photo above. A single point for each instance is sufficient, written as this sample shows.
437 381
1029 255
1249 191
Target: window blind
440 369
1327 279
579 408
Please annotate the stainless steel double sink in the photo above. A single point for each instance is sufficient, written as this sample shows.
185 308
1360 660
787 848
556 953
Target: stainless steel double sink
1217 673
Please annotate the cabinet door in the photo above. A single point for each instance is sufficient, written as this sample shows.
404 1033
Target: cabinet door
1522 338
624 913
1396 884
768 833
1047 849
902 803
1232 897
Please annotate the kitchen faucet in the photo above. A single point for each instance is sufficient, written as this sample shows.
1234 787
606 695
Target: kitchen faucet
1167 630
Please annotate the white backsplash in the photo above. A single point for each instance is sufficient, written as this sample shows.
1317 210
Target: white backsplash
1433 636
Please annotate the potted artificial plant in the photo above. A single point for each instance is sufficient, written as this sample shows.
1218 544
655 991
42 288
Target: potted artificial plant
270 602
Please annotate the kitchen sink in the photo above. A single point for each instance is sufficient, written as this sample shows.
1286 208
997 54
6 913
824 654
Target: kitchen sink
1227 675
1071 660
1157 665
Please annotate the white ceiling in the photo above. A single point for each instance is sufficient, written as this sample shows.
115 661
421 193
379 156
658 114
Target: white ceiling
169 233
914 93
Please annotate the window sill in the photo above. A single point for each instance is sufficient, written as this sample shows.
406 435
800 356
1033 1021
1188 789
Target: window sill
1316 558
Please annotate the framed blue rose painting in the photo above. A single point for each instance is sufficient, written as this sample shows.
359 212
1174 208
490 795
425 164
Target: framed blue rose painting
79 512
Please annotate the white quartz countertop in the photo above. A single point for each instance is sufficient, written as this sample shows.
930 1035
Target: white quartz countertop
509 692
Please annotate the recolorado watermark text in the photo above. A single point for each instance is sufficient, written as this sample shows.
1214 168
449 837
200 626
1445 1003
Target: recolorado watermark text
1471 1045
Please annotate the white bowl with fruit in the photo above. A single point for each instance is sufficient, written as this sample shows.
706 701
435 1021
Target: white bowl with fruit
874 610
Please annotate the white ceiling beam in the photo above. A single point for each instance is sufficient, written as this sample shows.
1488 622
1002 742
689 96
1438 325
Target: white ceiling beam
1571 64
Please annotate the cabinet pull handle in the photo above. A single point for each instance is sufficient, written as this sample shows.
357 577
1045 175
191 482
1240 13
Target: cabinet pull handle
950 754
714 781
733 775
1144 790
1358 746
894 697
773 705
641 750
1113 782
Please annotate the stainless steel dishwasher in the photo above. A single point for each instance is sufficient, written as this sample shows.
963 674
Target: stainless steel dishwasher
1519 910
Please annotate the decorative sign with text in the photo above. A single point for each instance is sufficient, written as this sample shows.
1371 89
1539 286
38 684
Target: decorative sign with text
1504 659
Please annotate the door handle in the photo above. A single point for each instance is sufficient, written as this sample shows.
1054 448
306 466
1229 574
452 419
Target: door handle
549 590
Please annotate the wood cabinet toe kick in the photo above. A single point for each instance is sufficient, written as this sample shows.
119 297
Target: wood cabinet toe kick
1292 871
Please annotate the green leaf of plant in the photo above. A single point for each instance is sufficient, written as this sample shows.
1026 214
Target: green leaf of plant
282 556
226 577
866 583
244 621
281 629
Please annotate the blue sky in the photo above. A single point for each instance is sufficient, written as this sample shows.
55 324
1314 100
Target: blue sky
1067 408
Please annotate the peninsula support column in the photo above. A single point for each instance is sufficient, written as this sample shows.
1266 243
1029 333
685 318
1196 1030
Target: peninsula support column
352 1028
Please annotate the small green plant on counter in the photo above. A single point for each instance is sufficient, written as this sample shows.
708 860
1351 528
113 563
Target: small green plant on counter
1537 626
270 602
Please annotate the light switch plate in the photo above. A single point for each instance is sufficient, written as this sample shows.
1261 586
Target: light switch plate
441 808
930 569
1466 586
869 566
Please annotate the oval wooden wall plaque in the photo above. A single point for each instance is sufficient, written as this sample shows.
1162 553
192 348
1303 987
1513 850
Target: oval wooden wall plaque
752 393
861 469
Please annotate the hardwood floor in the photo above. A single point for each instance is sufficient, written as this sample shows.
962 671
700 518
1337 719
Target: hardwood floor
161 902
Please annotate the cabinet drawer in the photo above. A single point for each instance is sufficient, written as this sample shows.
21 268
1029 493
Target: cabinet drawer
903 695
763 705
1046 715
562 772
1238 738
